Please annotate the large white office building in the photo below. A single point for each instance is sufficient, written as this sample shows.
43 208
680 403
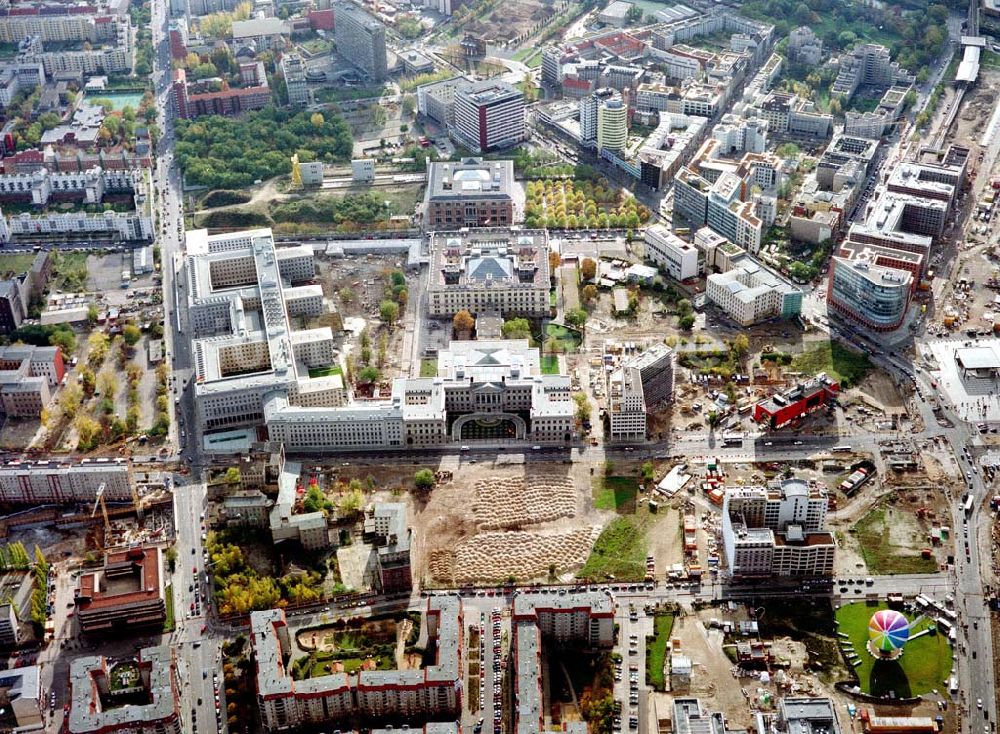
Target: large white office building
485 390
679 259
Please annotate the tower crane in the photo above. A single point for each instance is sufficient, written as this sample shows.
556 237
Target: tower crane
99 502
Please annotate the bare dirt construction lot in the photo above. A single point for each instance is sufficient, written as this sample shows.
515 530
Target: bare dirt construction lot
493 522
888 524
510 19
355 287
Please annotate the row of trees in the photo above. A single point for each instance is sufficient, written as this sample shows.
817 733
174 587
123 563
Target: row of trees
39 591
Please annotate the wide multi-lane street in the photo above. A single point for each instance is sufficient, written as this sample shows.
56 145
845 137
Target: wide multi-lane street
198 638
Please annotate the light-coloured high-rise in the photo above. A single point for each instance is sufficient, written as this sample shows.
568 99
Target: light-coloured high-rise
612 125
294 69
360 39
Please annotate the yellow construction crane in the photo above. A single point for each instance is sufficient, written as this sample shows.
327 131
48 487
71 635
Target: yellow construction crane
99 502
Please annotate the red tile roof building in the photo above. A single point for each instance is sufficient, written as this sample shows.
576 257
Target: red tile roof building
125 594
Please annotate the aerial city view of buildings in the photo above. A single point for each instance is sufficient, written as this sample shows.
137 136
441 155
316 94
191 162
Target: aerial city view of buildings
454 366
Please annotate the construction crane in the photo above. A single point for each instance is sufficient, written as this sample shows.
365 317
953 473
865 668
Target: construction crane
99 502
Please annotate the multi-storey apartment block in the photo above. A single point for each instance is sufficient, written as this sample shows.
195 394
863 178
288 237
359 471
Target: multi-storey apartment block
386 526
374 694
637 386
97 704
360 39
53 482
586 618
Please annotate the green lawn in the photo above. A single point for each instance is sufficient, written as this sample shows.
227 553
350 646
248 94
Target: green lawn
168 624
881 556
615 493
123 675
656 651
568 338
428 367
620 551
351 665
924 665
324 371
16 263
550 364
843 365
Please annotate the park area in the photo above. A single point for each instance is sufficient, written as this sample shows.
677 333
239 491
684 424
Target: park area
924 665
566 204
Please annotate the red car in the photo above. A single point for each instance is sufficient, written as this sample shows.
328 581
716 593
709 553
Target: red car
203 628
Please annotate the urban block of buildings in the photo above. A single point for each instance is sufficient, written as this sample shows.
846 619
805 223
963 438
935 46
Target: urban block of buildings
125 594
43 187
637 384
29 375
436 100
469 193
804 47
97 704
720 193
750 293
868 64
252 367
489 269
375 695
22 688
77 43
586 618
877 270
15 608
226 102
777 530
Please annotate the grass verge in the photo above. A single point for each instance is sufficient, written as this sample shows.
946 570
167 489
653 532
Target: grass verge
169 623
428 367
615 493
656 651
550 364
